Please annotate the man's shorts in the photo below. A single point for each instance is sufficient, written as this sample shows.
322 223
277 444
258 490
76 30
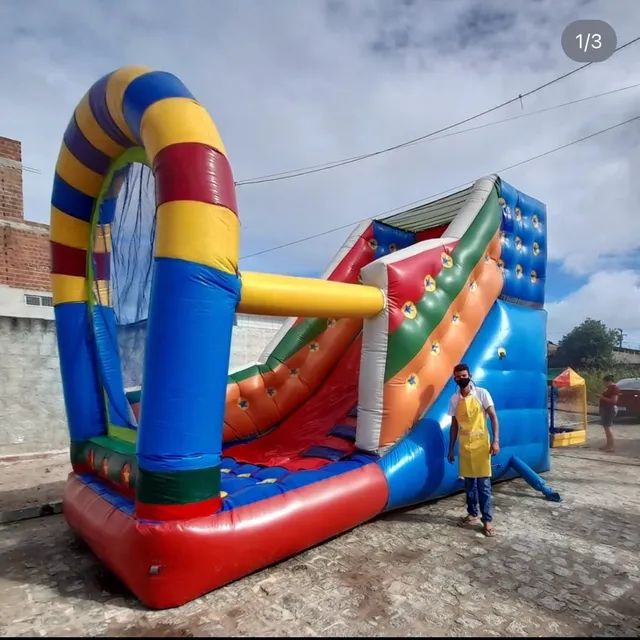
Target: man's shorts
607 416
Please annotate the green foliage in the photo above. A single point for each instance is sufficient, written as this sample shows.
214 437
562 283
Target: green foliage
588 349
587 346
619 336
594 383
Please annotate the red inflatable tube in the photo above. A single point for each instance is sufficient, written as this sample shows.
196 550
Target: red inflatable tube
170 563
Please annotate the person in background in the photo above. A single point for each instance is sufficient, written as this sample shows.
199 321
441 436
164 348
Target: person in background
608 409
468 409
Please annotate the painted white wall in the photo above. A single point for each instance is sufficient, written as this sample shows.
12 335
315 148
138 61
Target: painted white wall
13 304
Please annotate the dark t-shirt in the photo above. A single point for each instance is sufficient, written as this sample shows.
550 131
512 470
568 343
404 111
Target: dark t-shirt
611 391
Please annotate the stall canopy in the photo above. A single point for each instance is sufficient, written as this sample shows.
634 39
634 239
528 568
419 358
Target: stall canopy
567 407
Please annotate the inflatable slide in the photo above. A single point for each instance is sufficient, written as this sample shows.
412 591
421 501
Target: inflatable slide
200 477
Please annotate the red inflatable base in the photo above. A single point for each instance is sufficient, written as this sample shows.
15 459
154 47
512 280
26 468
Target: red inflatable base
169 563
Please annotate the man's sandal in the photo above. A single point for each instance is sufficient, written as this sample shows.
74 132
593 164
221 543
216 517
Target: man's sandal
468 521
489 532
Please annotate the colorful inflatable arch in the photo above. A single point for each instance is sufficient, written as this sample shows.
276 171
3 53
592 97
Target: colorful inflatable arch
201 477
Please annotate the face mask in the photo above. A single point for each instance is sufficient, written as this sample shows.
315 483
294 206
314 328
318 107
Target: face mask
463 382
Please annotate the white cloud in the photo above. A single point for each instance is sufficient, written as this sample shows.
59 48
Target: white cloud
610 296
294 83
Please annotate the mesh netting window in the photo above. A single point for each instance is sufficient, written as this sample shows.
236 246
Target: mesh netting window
122 271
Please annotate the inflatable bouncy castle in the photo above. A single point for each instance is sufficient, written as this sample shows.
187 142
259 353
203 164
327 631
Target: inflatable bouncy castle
185 476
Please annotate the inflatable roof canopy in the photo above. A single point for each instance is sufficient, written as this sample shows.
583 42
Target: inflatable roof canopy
564 378
194 476
568 407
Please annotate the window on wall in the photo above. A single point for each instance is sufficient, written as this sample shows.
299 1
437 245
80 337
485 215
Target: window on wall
38 301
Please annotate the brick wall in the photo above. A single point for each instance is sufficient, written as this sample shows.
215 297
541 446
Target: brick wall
24 245
11 204
25 257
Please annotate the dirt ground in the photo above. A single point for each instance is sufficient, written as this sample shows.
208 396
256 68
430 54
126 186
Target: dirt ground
554 569
27 482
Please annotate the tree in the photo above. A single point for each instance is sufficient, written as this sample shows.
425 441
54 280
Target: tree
620 336
589 345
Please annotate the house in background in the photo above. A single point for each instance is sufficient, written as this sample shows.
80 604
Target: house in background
621 355
24 245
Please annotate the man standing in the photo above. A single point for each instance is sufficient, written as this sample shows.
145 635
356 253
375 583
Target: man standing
608 402
468 409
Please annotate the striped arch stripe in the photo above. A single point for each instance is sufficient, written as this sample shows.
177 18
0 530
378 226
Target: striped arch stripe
138 106
71 261
83 150
146 90
186 171
100 110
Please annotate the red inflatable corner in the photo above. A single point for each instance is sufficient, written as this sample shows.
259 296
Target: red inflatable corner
169 563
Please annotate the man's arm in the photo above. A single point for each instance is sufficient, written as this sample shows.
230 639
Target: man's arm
495 443
453 436
612 400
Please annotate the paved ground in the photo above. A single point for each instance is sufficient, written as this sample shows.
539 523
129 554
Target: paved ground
27 482
555 569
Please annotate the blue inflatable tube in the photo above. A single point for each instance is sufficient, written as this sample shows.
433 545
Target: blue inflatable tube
534 479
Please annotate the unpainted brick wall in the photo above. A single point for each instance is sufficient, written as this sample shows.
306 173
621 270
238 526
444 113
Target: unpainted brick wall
24 258
24 245
11 203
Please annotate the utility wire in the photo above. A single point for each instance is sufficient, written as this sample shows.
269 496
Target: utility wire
533 113
294 173
426 199
569 144
15 165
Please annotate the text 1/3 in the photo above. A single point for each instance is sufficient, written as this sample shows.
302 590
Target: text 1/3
589 40
593 40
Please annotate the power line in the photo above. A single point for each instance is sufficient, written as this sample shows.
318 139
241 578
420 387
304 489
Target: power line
295 173
536 112
569 144
426 199
16 165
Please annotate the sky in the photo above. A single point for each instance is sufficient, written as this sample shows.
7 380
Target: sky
292 84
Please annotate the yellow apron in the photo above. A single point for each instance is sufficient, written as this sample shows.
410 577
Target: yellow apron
474 449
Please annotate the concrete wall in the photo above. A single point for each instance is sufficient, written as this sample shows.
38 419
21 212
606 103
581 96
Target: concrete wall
626 356
250 336
32 416
31 405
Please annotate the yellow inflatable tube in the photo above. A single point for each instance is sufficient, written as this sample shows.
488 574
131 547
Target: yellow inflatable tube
275 295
